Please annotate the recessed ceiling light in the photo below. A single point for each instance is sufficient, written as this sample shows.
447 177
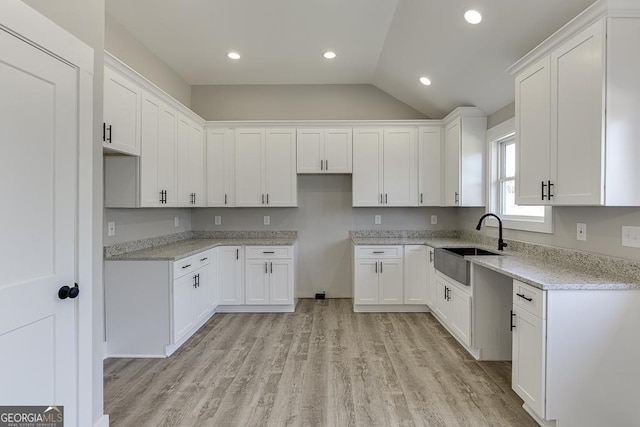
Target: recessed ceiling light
473 16
233 55
329 55
425 81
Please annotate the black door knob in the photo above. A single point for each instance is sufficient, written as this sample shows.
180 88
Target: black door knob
67 292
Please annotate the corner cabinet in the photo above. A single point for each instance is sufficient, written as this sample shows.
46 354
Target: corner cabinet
121 126
324 151
385 167
575 126
464 147
265 167
190 163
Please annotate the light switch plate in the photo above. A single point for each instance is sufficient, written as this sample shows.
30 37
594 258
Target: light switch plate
111 228
267 220
434 219
581 231
631 236
218 220
377 219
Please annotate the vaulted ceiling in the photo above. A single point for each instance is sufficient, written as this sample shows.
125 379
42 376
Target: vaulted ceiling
387 43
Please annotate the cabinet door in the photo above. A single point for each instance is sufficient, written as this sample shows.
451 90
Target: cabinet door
577 118
533 133
220 167
415 277
281 281
400 167
367 167
213 293
429 148
257 281
441 306
182 143
150 136
391 283
183 313
310 147
230 275
338 148
460 314
452 164
431 280
167 135
196 164
122 100
366 281
528 361
201 303
280 173
249 162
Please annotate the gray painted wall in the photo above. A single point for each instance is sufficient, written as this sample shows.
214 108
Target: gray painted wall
323 218
124 46
85 20
135 224
503 114
298 102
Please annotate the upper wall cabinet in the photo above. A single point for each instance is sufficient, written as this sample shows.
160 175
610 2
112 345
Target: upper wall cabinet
220 167
576 113
429 148
385 167
265 167
464 146
322 151
121 126
190 163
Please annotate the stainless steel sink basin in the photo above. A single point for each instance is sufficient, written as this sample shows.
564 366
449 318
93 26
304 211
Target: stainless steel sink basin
451 262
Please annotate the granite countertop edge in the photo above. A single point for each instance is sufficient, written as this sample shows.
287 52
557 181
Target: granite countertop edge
186 248
538 272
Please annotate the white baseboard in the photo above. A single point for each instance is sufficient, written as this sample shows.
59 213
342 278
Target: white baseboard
394 308
255 309
102 422
543 423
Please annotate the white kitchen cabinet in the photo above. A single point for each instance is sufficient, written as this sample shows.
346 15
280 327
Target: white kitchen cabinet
121 126
590 72
214 290
231 275
378 275
190 304
416 264
429 149
269 273
220 167
385 167
324 151
190 163
464 146
431 279
265 167
453 308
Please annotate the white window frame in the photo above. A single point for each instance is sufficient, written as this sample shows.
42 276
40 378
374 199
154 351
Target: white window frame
495 135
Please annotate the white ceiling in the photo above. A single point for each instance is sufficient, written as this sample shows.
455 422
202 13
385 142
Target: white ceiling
388 43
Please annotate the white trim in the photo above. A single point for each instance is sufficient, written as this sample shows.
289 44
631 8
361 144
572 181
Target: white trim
321 123
29 25
495 134
102 422
256 308
392 308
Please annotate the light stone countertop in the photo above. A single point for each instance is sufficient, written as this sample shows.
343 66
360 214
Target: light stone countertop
540 272
185 248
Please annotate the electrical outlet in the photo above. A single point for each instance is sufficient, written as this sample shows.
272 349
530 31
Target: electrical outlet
111 228
176 221
581 231
218 220
434 219
378 219
631 236
267 220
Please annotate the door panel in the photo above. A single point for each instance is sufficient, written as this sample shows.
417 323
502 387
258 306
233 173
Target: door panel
257 281
38 183
249 167
400 167
150 134
366 282
391 282
122 113
429 148
280 177
367 167
183 319
281 282
338 150
310 150
452 165
220 167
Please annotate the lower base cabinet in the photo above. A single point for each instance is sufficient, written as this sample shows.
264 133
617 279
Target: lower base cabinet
269 275
231 275
452 306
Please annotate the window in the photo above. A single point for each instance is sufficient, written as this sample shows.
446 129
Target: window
502 185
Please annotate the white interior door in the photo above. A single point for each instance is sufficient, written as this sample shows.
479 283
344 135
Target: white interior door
38 184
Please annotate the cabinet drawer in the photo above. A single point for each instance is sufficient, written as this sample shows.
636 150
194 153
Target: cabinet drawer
202 259
529 298
262 252
185 266
379 252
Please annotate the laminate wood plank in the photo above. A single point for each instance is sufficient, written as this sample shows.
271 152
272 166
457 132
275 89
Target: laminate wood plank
320 366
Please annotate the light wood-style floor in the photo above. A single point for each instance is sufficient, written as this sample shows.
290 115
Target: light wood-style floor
320 366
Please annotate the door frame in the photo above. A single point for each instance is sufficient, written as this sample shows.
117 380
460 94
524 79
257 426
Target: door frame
22 21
